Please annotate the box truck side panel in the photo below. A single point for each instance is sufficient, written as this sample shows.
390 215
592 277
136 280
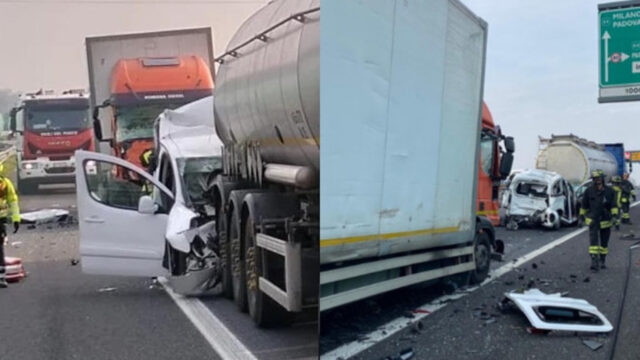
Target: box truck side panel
413 120
461 121
353 112
401 134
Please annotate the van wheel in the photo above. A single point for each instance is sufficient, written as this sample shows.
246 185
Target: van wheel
264 311
482 256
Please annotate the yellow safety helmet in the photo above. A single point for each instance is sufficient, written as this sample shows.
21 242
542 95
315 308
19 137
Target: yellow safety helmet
597 174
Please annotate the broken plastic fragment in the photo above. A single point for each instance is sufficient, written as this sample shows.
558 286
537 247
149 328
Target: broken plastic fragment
555 312
107 289
591 344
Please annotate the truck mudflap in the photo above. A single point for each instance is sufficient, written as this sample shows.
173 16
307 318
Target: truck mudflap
291 297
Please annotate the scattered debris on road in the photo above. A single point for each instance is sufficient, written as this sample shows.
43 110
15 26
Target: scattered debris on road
44 216
629 236
405 354
16 243
592 344
74 262
558 313
107 289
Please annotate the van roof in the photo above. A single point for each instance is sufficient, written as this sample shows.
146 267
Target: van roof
189 131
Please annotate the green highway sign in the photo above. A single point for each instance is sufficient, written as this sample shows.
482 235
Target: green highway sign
619 55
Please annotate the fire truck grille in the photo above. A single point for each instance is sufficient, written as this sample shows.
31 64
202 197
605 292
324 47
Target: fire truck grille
60 170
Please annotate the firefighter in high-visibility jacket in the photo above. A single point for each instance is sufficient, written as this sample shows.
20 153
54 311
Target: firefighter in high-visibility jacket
616 182
9 209
146 159
627 193
599 208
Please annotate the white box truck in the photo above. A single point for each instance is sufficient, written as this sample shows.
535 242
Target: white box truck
401 103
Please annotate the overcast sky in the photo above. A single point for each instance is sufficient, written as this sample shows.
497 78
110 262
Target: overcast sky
42 41
541 74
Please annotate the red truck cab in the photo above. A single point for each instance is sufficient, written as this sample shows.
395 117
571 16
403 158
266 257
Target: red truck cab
50 128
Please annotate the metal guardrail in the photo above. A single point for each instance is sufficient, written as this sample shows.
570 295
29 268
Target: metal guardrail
7 153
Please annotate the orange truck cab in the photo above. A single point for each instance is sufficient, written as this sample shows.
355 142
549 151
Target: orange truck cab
141 89
495 166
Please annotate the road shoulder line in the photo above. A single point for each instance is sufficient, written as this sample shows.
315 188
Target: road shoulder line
221 339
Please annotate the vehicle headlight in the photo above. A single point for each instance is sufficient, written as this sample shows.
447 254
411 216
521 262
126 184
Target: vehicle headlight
29 166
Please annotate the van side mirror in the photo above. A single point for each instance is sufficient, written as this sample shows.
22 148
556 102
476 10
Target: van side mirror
147 206
509 144
505 165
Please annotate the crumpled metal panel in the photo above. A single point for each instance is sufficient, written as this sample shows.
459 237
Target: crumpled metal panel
530 301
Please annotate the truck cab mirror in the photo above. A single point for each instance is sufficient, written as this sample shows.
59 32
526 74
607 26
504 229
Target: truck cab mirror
97 123
505 165
12 119
97 126
509 144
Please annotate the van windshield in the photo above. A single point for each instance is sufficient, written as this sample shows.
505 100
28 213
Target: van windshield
194 173
533 189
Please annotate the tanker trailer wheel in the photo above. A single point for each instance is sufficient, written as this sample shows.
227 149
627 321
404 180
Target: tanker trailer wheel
238 272
482 256
225 252
263 309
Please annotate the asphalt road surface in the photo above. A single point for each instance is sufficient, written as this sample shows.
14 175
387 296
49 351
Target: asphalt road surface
58 312
467 325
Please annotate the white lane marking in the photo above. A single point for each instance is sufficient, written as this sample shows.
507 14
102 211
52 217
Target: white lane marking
351 349
221 339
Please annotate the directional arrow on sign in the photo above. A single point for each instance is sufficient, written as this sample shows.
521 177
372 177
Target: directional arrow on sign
606 37
624 57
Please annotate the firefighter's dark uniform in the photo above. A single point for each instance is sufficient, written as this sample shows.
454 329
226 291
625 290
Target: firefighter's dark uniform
8 208
617 187
627 193
599 208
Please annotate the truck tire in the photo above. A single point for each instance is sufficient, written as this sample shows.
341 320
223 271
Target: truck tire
482 258
238 271
264 311
225 251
